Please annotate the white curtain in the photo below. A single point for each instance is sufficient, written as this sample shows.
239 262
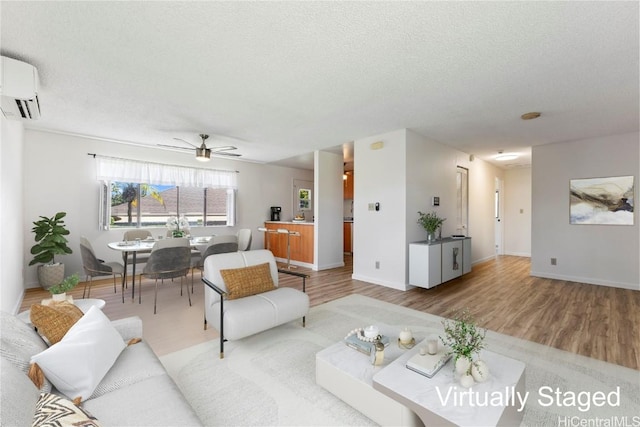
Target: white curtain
123 170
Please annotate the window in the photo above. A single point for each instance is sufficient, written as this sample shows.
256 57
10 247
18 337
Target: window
145 194
146 205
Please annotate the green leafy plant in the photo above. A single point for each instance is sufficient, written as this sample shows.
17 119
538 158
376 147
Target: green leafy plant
430 221
50 240
66 285
462 335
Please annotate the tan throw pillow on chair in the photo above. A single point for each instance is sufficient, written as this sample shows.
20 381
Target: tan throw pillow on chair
246 281
54 320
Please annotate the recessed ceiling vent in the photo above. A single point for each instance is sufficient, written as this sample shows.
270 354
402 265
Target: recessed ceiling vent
19 90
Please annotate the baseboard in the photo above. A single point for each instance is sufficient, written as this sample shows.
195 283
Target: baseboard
375 281
522 254
589 280
298 263
329 266
18 304
478 261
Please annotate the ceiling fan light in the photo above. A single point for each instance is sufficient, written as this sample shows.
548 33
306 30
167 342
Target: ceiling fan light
506 156
203 154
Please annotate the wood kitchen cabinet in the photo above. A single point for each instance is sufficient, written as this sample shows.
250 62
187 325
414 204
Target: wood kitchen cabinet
348 185
301 246
431 264
348 237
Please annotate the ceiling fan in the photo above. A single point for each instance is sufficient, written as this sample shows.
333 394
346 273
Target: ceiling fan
203 153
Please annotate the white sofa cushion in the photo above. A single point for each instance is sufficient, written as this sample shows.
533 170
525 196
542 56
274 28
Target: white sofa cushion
18 395
18 342
250 315
156 401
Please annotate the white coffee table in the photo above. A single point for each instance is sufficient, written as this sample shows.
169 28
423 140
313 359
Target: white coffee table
83 304
348 375
425 395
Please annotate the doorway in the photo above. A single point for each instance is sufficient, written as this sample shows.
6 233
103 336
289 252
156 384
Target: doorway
498 213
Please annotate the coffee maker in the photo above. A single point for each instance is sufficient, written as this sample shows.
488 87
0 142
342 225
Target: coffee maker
275 213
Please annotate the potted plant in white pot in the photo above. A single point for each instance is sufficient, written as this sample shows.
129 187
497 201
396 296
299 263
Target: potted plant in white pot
59 291
464 339
431 222
50 241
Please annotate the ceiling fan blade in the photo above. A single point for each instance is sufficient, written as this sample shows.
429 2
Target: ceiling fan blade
186 142
225 148
175 146
224 153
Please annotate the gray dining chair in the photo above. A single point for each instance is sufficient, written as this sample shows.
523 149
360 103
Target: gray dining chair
130 236
169 259
211 249
95 267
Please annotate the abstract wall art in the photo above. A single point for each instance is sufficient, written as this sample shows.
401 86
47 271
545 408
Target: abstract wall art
602 200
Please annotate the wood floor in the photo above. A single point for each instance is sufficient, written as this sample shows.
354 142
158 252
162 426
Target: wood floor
594 321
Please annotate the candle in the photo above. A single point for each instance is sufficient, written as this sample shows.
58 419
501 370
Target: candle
405 336
371 331
432 346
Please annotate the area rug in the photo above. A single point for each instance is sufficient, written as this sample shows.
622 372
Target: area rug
269 379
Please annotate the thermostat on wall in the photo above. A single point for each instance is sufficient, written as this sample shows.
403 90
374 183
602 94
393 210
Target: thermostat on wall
435 201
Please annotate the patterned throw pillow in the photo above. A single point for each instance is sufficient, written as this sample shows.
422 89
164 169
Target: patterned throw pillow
55 319
53 410
246 281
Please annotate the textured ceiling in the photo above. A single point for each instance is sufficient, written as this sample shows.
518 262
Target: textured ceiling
287 78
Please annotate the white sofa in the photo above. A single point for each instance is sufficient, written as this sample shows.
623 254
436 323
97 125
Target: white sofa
136 391
238 318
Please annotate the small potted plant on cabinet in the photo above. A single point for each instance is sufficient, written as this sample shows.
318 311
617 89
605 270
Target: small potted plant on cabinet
431 222
50 241
59 291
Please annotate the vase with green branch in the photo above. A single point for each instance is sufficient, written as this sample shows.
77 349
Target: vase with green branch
431 222
464 339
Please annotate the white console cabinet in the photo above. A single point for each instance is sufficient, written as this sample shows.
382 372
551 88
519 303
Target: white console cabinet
433 263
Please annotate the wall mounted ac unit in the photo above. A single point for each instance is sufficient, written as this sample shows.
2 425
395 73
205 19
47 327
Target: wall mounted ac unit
19 90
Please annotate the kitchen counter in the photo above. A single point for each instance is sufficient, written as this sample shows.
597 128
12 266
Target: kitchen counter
301 245
290 222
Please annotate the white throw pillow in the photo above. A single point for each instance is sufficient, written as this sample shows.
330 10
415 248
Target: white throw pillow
77 364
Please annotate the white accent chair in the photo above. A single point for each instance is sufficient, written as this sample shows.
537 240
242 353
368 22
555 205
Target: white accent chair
239 318
244 239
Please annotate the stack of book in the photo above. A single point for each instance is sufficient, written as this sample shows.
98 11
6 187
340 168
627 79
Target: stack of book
428 364
363 346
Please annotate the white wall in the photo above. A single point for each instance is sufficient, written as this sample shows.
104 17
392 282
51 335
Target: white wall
60 176
328 205
11 215
380 176
517 212
403 176
598 254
